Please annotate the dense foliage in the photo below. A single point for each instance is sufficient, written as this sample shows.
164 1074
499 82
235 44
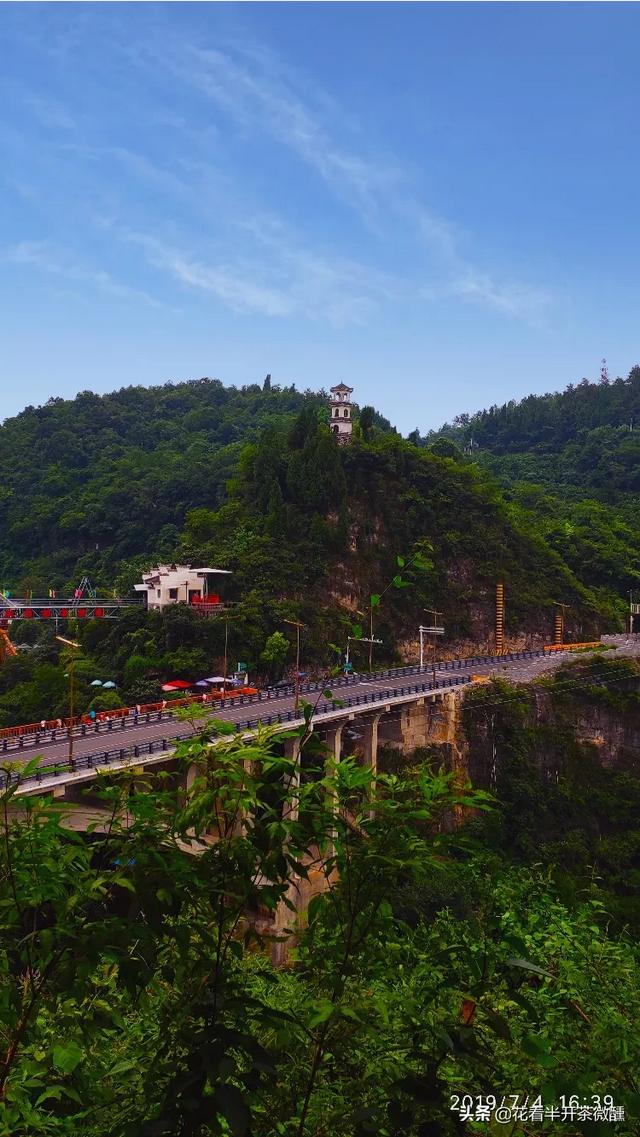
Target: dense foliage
565 798
591 428
135 998
252 480
88 482
136 1001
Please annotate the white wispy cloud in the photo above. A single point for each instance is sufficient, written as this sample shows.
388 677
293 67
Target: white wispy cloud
49 258
290 281
459 278
253 87
196 220
238 291
511 297
258 92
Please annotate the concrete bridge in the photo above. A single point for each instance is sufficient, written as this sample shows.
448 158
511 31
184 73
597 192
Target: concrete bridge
403 708
394 707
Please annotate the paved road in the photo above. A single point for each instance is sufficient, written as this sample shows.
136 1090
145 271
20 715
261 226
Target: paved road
157 726
128 732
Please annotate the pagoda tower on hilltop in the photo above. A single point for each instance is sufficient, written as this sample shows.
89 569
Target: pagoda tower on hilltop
340 411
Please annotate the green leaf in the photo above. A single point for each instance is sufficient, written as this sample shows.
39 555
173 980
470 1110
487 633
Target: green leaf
527 966
51 1093
375 600
122 1067
66 1056
69 1092
323 1009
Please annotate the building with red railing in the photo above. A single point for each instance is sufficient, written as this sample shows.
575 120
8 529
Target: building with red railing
165 585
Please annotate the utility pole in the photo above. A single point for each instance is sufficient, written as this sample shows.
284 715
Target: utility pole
360 640
72 661
297 625
433 630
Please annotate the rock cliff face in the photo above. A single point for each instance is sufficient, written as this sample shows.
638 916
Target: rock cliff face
550 727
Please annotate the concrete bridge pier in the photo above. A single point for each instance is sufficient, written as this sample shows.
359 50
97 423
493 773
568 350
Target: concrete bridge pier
334 743
192 774
292 781
370 742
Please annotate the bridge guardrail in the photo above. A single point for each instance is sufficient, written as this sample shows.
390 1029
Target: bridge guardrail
127 716
123 754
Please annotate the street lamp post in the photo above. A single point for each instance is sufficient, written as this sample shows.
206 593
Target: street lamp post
226 656
72 661
226 618
297 625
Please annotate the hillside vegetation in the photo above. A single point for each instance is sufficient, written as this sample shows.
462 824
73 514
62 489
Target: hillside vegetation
499 956
569 466
587 435
87 482
251 480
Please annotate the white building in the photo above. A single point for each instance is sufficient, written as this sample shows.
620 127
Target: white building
340 411
180 584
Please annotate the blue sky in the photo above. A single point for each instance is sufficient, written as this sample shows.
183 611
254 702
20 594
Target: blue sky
435 203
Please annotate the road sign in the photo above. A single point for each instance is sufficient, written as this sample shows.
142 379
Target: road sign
241 667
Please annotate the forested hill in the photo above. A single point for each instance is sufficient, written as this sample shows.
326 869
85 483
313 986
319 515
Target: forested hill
587 435
104 477
89 482
252 481
569 469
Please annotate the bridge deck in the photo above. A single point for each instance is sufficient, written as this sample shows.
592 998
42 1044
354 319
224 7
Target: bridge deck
121 743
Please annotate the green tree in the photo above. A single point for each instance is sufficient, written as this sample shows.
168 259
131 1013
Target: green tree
274 653
366 419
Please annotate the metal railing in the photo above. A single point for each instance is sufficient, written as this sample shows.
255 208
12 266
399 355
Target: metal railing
128 755
19 738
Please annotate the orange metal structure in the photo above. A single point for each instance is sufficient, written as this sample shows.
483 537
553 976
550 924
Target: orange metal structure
571 647
6 647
